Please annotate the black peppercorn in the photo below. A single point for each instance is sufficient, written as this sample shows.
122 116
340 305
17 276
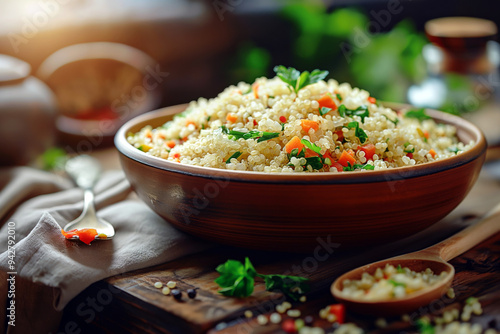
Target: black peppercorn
176 293
191 293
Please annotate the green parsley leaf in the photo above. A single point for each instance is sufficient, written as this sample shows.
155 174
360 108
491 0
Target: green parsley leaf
454 150
351 168
235 155
315 162
395 121
324 110
253 134
360 133
296 79
417 114
339 97
53 158
313 147
393 282
291 286
408 151
361 111
399 269
237 280
425 327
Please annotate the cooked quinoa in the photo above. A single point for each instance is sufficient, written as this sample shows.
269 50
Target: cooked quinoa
390 283
270 127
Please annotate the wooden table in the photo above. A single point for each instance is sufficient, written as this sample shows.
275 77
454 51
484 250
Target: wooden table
137 306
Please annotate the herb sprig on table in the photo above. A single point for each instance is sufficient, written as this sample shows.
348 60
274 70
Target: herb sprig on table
237 279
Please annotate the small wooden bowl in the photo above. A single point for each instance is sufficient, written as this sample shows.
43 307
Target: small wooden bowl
301 212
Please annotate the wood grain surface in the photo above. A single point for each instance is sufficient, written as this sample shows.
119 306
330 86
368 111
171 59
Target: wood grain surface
137 307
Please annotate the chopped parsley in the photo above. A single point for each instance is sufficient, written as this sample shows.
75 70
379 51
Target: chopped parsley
314 162
361 111
399 269
324 110
237 279
235 155
360 133
339 97
296 79
393 282
253 134
454 150
406 150
417 114
313 147
351 168
395 121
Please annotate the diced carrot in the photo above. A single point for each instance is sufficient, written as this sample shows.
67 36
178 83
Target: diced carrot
347 157
176 155
308 124
426 135
326 101
340 134
372 99
231 118
292 144
255 88
369 150
170 143
161 136
432 152
190 122
339 167
86 235
149 135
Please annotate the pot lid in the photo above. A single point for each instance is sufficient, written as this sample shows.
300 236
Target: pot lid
13 70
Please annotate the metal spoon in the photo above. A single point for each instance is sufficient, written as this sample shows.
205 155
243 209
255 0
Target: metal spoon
435 257
85 171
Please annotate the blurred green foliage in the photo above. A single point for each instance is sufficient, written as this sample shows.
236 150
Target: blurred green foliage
386 66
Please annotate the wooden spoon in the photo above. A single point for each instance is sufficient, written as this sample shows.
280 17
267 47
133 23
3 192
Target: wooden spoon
435 257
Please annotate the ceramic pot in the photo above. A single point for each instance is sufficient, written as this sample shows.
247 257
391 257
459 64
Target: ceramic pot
27 109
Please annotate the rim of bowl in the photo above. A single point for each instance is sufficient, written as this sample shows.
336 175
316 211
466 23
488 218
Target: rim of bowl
393 174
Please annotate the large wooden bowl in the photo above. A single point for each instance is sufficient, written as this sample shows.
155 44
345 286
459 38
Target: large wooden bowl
301 212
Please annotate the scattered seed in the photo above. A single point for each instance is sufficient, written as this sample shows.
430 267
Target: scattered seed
191 293
158 285
165 291
381 323
280 309
450 293
262 319
309 320
286 305
176 293
299 323
303 299
293 313
405 317
275 318
171 284
331 317
248 314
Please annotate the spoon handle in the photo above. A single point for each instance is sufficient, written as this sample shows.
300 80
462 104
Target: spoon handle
469 237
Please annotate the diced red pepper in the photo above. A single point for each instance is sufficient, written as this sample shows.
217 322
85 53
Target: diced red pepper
339 167
282 119
289 326
372 99
339 311
369 150
86 235
410 155
340 134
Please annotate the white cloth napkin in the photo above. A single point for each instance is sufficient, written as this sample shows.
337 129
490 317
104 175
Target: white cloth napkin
43 255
